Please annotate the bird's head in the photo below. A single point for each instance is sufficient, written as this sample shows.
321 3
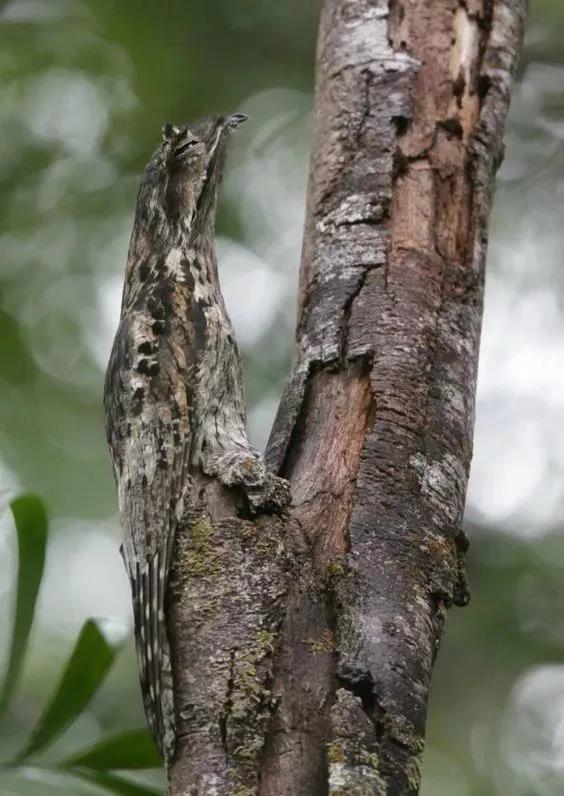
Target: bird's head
182 177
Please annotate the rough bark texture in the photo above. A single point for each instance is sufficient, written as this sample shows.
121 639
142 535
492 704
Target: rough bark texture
303 645
226 599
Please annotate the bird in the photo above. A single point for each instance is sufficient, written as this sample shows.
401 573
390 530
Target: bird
173 393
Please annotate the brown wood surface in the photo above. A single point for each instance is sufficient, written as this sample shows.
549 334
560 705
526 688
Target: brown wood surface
303 644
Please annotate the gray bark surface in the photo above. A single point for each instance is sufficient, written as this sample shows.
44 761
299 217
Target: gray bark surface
302 645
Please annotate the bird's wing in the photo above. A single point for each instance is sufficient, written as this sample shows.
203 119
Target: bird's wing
150 443
150 495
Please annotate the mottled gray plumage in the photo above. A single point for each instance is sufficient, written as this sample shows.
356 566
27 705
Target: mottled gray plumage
174 392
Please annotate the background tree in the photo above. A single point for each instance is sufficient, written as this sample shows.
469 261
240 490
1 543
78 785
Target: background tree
85 93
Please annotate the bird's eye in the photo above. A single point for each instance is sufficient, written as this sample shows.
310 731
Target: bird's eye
182 148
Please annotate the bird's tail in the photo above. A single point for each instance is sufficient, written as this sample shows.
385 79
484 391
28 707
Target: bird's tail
148 587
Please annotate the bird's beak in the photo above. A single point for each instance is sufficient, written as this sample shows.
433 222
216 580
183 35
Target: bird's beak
235 119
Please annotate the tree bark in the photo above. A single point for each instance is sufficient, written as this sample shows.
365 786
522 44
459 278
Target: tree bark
303 645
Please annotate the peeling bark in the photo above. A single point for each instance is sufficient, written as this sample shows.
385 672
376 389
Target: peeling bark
303 645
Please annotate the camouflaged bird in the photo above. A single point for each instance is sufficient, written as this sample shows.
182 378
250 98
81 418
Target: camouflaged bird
174 390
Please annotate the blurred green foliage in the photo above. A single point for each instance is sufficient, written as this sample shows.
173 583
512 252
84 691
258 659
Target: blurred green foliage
93 655
87 85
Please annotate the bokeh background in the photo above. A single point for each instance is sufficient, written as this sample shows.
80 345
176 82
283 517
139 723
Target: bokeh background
86 87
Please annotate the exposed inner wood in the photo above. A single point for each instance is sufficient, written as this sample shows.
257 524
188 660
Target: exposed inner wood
331 429
336 413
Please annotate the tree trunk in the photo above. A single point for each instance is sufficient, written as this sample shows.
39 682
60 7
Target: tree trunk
303 645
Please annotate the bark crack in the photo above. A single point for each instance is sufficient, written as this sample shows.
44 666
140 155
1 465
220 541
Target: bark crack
346 317
228 702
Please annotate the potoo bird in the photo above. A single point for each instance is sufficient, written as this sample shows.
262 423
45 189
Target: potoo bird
173 394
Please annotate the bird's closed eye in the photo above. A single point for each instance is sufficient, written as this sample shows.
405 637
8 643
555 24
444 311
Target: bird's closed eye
184 147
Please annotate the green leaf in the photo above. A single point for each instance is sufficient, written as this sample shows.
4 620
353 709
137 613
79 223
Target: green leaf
88 665
31 526
125 751
114 784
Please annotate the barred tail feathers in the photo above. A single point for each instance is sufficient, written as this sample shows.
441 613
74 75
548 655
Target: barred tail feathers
148 586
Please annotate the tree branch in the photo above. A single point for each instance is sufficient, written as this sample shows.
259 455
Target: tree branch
302 646
375 428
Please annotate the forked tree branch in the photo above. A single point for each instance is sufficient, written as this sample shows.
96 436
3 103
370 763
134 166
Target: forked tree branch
303 645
